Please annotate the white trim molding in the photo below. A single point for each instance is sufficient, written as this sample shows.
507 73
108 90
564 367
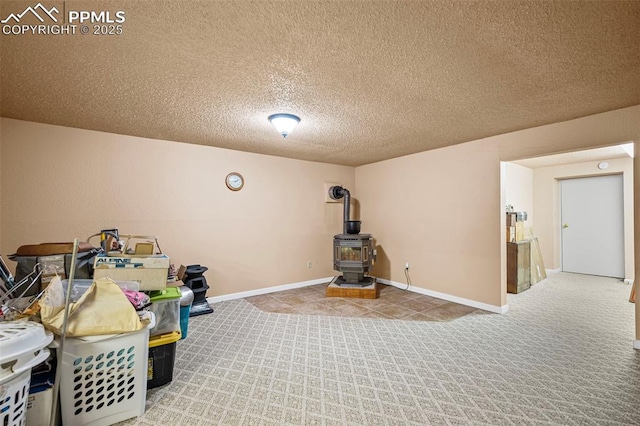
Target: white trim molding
243 294
636 344
553 271
444 296
628 280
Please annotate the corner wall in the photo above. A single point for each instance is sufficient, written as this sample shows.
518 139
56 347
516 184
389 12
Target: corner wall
59 183
442 210
519 190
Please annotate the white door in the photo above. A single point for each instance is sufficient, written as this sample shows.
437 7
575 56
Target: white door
593 226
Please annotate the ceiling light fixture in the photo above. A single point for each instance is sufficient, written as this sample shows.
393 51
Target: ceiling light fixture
284 123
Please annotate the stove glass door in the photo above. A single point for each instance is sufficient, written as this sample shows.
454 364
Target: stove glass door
351 253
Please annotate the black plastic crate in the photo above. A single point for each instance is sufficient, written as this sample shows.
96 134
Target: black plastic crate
161 360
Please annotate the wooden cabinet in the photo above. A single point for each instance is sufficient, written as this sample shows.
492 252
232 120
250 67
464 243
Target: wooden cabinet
518 266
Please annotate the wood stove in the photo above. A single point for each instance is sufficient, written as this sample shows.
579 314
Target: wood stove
353 253
353 256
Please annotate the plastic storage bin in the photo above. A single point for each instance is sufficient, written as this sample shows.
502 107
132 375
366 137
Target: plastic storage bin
103 378
80 287
185 309
23 347
166 307
162 354
184 320
13 399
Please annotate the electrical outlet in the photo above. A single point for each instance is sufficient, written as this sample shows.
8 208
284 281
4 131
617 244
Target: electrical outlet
406 266
309 264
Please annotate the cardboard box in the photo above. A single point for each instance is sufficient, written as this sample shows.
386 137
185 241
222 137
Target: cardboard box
519 231
515 233
151 272
39 408
52 266
174 282
181 272
144 249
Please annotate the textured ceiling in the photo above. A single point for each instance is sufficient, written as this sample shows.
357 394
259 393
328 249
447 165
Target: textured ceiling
370 80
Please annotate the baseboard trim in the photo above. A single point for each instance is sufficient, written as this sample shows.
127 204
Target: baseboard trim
636 344
443 296
553 271
450 298
274 289
628 281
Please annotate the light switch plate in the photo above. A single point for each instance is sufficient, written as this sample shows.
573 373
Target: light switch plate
328 199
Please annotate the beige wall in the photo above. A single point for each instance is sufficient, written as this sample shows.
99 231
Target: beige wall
519 190
443 210
605 129
440 210
432 210
59 183
546 184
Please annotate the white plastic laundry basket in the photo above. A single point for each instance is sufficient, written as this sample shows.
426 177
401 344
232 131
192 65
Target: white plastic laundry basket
23 347
13 399
103 378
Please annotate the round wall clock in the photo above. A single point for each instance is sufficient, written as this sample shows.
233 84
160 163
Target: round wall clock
234 181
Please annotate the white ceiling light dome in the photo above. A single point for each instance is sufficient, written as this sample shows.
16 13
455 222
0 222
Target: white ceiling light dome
284 123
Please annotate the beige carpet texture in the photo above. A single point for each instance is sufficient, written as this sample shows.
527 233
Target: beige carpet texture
561 355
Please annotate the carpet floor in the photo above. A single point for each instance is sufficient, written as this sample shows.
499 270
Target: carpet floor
562 355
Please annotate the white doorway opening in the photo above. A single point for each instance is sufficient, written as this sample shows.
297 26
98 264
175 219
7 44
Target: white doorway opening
534 185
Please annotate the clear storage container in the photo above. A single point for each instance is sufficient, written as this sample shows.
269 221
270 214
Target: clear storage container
81 286
165 304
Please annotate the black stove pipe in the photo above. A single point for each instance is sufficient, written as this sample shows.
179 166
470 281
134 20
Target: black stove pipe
337 192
